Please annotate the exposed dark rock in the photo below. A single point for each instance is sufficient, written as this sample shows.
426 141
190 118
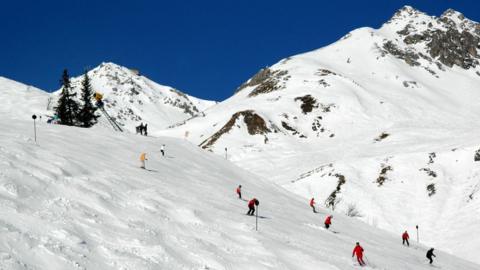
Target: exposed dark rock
431 157
324 72
383 174
258 78
477 155
431 190
412 84
255 125
408 56
266 81
454 48
429 172
289 128
323 83
382 136
308 103
332 200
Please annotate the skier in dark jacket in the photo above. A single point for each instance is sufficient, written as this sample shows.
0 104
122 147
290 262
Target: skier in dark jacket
251 206
430 254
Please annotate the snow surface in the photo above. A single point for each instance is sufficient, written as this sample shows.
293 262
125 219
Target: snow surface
20 101
361 92
73 203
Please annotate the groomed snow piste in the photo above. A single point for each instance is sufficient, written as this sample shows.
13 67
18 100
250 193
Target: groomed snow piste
77 199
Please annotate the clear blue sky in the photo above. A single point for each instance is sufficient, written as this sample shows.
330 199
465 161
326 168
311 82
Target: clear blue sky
204 48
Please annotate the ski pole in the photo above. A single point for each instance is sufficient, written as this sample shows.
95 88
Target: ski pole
256 220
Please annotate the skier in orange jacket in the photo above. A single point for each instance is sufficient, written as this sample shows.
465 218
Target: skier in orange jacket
143 157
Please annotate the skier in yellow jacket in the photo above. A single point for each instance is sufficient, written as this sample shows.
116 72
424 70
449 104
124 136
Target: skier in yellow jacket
143 157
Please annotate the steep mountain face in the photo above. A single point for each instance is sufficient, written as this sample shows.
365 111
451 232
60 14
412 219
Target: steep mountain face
131 99
384 120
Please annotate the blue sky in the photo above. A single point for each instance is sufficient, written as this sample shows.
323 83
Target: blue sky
204 48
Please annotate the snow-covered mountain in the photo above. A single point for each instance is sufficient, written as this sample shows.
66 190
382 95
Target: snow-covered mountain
386 120
72 203
131 98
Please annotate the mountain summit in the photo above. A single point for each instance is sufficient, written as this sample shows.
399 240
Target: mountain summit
131 98
385 120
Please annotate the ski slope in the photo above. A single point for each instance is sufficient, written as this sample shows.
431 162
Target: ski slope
78 200
366 110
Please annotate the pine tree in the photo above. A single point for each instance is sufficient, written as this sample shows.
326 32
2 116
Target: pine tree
86 116
67 107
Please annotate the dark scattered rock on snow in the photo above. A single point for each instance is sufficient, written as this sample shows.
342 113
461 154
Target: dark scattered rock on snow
382 177
266 81
382 136
429 172
255 125
477 155
332 200
431 190
308 103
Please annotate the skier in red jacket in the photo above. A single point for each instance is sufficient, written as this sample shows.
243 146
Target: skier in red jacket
405 238
312 204
251 206
358 250
328 221
239 191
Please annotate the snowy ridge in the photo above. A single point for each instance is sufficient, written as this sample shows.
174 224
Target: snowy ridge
20 100
397 93
131 98
70 203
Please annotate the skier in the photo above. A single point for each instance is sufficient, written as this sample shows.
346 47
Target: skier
239 191
162 149
312 204
328 221
251 206
143 157
358 250
405 238
430 254
141 128
145 130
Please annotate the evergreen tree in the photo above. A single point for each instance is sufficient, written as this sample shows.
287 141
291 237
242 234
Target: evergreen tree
67 107
86 116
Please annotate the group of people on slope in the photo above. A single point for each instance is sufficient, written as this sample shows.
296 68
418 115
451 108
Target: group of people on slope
251 203
358 249
142 129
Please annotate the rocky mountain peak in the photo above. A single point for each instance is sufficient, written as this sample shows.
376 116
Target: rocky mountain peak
406 12
451 13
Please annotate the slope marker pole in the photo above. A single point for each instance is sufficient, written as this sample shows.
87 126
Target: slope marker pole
34 117
417 234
